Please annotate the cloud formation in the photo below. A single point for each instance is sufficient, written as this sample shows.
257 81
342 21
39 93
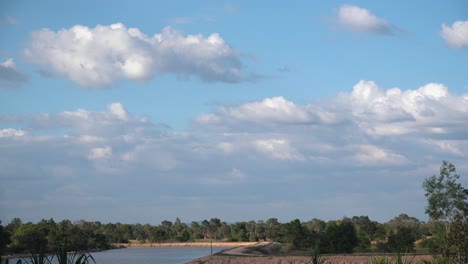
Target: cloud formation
100 56
389 138
456 35
10 76
359 19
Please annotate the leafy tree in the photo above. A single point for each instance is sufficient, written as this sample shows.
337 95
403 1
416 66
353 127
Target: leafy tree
295 234
195 231
401 240
13 225
315 225
273 230
239 232
366 231
214 225
445 196
4 239
339 237
457 240
31 238
224 230
411 224
448 203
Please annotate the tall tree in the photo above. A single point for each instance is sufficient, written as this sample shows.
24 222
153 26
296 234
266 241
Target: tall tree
446 197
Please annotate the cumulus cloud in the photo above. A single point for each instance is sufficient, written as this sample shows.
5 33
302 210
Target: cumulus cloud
388 138
100 56
268 110
456 35
362 20
10 76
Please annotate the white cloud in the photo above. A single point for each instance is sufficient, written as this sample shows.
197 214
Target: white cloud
269 110
100 153
10 76
373 155
278 148
362 20
100 56
11 132
456 35
118 110
366 139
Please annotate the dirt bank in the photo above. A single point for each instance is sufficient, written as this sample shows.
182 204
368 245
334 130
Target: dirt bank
268 253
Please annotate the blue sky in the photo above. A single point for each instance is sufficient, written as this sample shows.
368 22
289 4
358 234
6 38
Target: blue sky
141 112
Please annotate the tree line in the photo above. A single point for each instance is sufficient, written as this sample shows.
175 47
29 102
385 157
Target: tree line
337 236
446 233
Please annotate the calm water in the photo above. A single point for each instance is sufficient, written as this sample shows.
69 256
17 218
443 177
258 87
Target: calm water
150 255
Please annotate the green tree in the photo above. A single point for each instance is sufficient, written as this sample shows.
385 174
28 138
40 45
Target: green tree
31 239
4 239
412 225
445 196
239 232
448 203
339 237
295 234
214 225
401 240
13 225
457 240
273 230
196 231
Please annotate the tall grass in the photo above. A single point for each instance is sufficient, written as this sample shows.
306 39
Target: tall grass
397 258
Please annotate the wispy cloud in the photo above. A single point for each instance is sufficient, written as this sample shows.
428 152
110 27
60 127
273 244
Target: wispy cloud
11 20
456 35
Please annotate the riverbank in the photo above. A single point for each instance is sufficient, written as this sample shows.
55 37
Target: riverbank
186 244
268 253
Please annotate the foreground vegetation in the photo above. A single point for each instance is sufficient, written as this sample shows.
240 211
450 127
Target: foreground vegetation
446 234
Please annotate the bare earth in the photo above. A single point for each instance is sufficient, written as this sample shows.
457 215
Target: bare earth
264 253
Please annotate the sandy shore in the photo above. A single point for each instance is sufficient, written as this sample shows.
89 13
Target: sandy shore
266 253
186 244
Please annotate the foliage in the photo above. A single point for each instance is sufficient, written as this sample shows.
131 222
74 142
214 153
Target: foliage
315 258
401 241
448 204
445 196
456 247
380 260
442 260
294 234
397 258
4 239
339 237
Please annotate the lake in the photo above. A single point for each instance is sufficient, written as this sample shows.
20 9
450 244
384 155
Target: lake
151 255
